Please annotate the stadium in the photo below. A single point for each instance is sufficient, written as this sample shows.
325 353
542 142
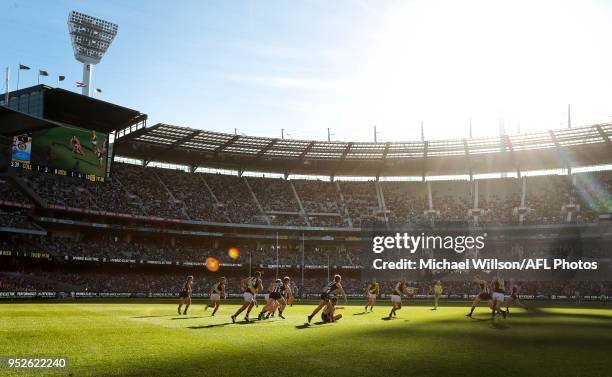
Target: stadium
103 217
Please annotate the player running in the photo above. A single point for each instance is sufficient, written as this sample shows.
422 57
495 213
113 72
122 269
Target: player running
372 291
396 296
251 286
76 145
287 293
217 292
331 289
94 141
185 295
276 300
267 294
294 293
497 297
437 291
329 311
483 295
267 298
514 299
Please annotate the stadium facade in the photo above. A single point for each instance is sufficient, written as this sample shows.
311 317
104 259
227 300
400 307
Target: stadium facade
76 219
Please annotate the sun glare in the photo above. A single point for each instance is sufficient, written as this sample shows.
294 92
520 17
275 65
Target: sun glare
496 63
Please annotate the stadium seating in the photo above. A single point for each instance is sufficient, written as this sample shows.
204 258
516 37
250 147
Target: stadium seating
405 201
175 194
158 193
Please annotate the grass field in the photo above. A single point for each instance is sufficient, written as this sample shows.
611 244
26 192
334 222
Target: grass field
142 338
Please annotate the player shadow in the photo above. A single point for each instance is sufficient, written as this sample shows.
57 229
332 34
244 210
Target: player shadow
208 326
362 313
310 325
479 319
499 325
388 318
174 318
269 320
247 322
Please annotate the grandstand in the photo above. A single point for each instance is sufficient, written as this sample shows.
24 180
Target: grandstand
171 196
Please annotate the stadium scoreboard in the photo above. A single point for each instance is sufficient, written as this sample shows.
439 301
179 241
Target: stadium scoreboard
62 172
63 150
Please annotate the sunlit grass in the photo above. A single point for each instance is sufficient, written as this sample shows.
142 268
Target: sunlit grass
142 338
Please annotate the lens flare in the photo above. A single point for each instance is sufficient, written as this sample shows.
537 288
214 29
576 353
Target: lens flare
212 264
233 253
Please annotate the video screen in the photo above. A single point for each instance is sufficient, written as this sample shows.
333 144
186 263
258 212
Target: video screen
65 150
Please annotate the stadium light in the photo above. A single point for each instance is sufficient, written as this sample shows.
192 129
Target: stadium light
90 37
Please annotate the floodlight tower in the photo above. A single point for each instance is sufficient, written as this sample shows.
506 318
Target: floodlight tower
91 37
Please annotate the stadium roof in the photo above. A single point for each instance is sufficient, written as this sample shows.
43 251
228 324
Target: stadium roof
64 106
13 123
68 107
563 148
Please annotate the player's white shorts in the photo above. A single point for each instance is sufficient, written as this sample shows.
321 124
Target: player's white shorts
396 298
497 296
267 296
215 297
248 297
371 295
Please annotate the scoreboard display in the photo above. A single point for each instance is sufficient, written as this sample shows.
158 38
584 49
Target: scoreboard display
66 150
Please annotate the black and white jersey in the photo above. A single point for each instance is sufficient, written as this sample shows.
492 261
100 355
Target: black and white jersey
278 287
332 287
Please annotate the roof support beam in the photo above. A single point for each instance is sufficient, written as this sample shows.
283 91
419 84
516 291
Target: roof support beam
266 148
424 168
603 134
178 143
300 159
134 135
261 152
228 143
508 147
560 154
383 160
554 138
342 158
466 148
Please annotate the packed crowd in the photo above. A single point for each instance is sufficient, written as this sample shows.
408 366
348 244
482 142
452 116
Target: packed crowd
226 198
274 194
101 282
160 250
16 218
322 202
405 201
9 192
362 202
190 191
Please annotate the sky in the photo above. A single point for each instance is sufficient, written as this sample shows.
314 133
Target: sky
349 65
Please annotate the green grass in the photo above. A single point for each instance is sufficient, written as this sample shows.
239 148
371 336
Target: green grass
58 139
146 338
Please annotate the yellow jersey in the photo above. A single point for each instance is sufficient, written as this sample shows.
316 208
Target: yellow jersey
438 289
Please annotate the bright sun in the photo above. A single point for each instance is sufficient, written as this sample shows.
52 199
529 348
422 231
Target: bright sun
496 63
